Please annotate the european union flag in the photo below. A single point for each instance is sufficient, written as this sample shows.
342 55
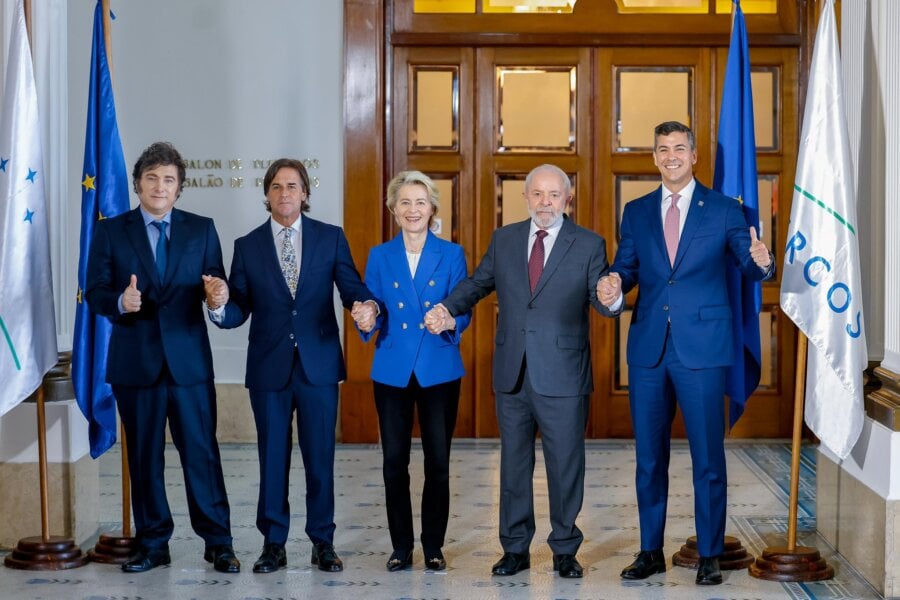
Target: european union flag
736 177
104 194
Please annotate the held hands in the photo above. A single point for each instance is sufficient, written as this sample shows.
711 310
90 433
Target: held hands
216 291
439 319
364 315
758 251
131 297
609 288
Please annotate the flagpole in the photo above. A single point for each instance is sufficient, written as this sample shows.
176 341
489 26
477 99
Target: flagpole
799 397
126 479
113 548
793 562
44 553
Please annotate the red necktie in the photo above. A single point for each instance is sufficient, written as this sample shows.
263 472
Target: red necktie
536 260
670 227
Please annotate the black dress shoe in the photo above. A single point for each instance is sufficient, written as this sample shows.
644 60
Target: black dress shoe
646 563
568 566
327 559
511 563
434 560
273 557
223 559
400 559
708 572
145 559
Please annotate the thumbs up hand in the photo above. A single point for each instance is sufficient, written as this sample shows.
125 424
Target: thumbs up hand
131 297
758 251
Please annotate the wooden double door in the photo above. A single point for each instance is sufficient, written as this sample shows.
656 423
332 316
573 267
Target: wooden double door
477 119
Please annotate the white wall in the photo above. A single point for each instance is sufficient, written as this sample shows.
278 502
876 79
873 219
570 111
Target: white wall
221 80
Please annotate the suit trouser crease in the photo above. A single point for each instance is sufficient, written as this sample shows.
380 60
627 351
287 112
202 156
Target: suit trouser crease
436 407
191 414
561 420
699 393
316 411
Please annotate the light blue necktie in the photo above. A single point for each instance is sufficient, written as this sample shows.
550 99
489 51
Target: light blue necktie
162 249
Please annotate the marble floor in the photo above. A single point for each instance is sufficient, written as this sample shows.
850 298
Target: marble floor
757 511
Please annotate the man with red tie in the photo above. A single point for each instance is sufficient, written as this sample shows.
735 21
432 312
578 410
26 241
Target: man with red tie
676 244
545 271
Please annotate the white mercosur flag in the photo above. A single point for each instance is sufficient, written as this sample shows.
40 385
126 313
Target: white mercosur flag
820 285
27 321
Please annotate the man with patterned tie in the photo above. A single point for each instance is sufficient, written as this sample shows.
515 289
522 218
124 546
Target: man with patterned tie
145 273
283 274
545 271
676 244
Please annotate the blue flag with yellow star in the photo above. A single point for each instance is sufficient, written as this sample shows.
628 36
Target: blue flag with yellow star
104 193
735 176
27 316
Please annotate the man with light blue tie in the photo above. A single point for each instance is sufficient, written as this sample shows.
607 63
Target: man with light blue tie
676 244
145 273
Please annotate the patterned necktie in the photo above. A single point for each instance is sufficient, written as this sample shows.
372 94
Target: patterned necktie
162 249
289 260
670 228
536 260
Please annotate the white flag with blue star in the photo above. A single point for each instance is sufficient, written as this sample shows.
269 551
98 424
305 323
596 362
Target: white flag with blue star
27 318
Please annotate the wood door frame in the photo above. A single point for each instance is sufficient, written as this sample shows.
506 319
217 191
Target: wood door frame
372 28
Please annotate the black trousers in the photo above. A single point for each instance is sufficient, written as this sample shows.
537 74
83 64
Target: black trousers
437 408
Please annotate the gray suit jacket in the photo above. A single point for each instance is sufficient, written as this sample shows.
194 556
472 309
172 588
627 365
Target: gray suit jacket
550 327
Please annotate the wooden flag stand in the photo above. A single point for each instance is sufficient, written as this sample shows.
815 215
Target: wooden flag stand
45 552
117 547
793 562
733 558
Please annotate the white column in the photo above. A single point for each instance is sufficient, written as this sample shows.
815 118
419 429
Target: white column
865 124
888 65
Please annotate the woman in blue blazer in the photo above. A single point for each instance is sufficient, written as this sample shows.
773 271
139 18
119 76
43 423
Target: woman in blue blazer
412 368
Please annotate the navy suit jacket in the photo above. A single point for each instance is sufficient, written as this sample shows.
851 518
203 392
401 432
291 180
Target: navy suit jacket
170 328
551 325
306 322
404 346
691 296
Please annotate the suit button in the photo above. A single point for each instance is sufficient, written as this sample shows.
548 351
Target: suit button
421 325
403 326
427 304
294 313
431 283
671 281
295 344
396 285
666 307
291 336
399 305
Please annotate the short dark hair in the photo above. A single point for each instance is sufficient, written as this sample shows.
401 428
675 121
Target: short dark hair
670 127
158 154
287 163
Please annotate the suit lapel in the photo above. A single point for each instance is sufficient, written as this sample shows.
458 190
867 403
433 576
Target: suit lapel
399 266
519 256
564 240
696 213
654 208
265 246
308 244
178 237
137 235
428 262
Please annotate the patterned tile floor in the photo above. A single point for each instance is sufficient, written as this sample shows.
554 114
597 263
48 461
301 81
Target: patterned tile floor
758 480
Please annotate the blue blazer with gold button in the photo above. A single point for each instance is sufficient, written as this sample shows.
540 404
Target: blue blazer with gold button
404 346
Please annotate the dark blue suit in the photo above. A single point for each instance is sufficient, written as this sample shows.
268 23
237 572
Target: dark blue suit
294 363
679 346
160 365
415 371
